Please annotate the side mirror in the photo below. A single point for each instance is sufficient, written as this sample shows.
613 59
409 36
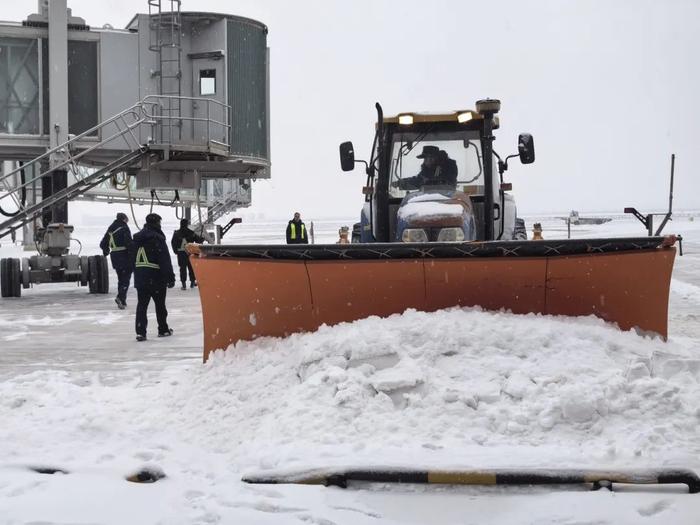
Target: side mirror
347 156
526 148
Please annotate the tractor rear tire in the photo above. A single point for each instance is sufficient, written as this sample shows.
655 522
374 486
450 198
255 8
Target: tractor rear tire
103 272
10 278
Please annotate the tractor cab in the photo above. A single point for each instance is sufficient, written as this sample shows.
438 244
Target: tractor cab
429 179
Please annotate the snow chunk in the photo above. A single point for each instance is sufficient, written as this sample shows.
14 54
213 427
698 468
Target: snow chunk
426 210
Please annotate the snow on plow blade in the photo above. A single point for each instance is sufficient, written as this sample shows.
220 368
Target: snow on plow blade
255 291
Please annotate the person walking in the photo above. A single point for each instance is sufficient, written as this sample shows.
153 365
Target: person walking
153 274
180 239
296 231
116 243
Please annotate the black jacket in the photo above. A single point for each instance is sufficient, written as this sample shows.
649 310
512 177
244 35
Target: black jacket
296 233
153 267
182 237
117 243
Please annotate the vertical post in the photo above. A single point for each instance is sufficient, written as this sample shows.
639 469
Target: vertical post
568 227
668 215
58 108
670 193
488 108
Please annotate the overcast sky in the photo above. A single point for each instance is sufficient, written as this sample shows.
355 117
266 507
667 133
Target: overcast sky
609 89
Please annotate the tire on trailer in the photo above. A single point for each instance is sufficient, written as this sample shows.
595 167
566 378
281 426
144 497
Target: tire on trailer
93 278
26 273
519 233
4 278
84 271
103 272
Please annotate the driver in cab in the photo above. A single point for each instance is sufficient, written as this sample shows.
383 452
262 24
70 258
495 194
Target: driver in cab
437 169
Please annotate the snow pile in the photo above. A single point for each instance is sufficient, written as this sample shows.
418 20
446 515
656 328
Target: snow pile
459 382
455 388
429 209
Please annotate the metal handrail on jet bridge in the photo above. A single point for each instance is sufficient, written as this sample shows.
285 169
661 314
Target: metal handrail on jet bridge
143 112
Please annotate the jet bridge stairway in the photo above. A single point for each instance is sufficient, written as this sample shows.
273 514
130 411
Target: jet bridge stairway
116 145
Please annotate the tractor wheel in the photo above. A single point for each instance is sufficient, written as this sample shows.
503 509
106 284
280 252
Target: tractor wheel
26 273
93 278
356 232
84 271
519 233
103 272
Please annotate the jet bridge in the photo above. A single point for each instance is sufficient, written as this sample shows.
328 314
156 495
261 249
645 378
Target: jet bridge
172 110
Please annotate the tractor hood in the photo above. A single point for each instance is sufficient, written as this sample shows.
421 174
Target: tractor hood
433 210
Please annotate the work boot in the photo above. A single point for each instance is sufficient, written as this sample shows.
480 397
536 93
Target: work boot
140 337
184 286
193 284
166 334
120 304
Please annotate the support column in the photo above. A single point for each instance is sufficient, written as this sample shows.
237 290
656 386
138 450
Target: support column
58 108
55 181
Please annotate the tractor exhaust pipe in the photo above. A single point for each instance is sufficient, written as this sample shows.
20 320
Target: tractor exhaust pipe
488 108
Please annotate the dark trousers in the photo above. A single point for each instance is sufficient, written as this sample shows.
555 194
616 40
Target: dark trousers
183 261
123 280
146 293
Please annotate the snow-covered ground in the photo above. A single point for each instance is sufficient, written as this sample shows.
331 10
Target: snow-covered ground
458 388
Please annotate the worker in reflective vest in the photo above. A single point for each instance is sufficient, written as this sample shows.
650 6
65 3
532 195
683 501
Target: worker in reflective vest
180 239
153 274
116 243
296 231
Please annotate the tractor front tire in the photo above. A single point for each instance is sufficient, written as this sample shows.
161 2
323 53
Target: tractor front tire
519 233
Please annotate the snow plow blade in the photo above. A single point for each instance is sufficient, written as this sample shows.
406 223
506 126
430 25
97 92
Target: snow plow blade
256 291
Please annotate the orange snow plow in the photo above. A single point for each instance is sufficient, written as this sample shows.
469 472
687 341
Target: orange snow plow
438 228
255 291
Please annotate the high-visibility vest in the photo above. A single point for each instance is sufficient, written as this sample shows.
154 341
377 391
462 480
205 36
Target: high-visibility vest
142 260
113 244
293 234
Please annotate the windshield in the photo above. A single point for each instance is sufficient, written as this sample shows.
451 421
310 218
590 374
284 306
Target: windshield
448 159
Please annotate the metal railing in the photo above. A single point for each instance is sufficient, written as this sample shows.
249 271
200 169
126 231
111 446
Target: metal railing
145 118
147 112
213 127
